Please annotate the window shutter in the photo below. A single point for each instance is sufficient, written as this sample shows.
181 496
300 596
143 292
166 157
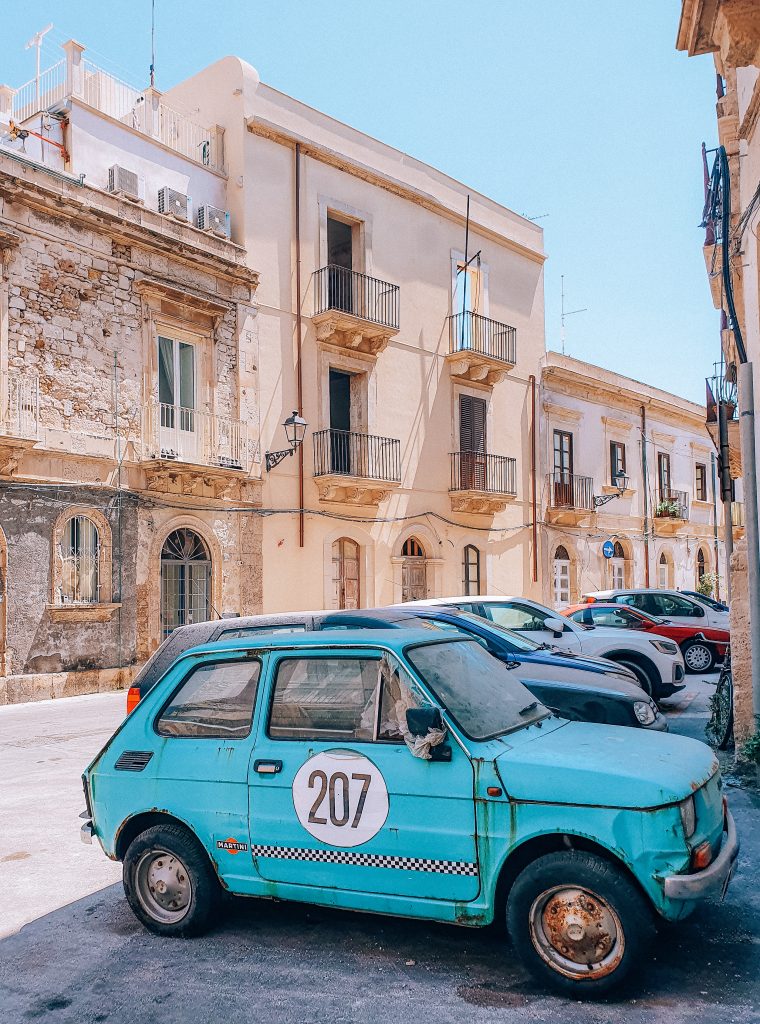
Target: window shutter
472 424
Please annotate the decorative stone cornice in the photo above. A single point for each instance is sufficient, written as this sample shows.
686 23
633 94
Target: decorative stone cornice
351 490
188 480
561 412
82 612
351 333
621 426
479 502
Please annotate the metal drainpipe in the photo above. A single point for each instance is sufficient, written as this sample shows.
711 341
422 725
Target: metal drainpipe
299 340
715 525
645 492
534 512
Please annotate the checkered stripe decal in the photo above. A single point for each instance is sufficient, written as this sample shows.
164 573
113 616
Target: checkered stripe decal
367 860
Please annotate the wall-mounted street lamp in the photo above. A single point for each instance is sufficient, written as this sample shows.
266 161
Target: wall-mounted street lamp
620 482
295 431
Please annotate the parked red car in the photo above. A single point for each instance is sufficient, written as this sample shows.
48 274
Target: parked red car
701 646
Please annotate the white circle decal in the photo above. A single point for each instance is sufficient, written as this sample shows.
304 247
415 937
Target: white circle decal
340 798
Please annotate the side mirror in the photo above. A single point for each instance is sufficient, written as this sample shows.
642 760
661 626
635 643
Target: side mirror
555 626
419 721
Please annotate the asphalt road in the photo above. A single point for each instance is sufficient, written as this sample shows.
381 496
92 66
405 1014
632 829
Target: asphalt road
82 957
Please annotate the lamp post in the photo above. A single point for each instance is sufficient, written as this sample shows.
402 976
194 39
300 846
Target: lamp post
295 431
619 481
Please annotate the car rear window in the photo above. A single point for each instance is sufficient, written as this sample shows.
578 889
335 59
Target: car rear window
216 700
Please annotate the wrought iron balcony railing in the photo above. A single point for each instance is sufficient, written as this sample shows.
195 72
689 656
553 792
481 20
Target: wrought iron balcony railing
344 453
568 490
348 291
470 332
671 504
189 435
22 413
479 471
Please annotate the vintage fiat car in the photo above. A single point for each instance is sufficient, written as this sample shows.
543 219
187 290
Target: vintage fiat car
406 772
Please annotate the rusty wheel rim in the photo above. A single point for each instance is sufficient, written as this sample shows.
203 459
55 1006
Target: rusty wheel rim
163 886
576 932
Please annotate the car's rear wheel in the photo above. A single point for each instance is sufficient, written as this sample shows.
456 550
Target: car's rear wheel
578 922
169 882
698 656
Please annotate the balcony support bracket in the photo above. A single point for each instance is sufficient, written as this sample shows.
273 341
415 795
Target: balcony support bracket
12 451
351 333
353 490
479 503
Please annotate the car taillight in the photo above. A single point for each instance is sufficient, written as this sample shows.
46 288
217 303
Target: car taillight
133 698
701 856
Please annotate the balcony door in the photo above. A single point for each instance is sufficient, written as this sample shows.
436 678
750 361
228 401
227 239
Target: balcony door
465 295
663 474
178 421
563 469
340 422
185 581
345 565
472 443
340 259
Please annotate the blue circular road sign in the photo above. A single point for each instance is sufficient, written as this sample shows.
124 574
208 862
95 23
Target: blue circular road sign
608 549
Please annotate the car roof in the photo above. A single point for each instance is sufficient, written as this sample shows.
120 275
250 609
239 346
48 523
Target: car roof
394 639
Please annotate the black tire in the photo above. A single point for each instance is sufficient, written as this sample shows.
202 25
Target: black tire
646 682
170 856
702 656
594 893
724 713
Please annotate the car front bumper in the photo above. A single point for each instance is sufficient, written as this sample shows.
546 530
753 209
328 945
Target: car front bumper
715 877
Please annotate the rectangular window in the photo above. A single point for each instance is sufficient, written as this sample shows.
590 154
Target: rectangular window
472 443
701 481
663 474
563 453
215 701
617 461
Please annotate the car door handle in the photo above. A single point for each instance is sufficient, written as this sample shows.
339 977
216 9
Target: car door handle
267 767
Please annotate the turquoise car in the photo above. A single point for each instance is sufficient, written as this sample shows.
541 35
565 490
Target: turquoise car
406 773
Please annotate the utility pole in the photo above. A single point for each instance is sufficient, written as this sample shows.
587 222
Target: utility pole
571 312
36 40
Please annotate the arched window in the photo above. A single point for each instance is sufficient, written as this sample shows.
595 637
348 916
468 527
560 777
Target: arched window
413 571
471 569
617 566
80 562
561 576
346 583
185 580
663 572
701 564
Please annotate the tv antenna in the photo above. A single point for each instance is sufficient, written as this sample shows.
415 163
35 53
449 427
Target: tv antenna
36 41
570 312
152 43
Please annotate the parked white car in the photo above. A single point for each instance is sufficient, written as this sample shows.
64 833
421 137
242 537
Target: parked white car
666 604
655 660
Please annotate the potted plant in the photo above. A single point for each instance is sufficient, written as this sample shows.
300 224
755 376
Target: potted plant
667 508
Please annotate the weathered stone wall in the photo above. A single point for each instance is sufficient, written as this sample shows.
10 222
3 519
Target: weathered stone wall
37 643
741 664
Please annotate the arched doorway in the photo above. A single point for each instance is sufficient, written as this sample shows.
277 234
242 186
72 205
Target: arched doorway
345 561
413 571
701 565
561 576
185 580
664 572
617 567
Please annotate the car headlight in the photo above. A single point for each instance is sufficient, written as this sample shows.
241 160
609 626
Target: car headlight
643 712
665 646
688 816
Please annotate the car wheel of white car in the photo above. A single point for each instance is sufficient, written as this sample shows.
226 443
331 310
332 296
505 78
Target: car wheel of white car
698 656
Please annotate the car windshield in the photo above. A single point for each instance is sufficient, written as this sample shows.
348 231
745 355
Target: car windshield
482 698
519 643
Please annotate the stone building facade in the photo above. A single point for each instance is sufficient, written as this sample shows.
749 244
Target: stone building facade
729 30
665 528
123 503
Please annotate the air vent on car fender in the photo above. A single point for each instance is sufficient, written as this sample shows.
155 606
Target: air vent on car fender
133 760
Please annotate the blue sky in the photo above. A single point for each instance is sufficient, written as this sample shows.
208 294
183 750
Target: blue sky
579 110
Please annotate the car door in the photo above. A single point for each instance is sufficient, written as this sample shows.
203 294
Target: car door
338 801
530 620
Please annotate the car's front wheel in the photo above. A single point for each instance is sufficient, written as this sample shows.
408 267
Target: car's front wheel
578 922
698 656
169 882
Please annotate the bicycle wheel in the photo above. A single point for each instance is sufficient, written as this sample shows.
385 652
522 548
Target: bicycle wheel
723 708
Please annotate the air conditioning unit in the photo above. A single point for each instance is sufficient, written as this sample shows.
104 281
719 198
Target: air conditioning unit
124 182
211 218
173 204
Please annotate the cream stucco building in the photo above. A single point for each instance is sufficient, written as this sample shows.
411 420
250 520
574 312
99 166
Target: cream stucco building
664 529
180 272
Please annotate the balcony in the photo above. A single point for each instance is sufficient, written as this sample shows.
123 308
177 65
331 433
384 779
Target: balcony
19 420
354 311
355 469
480 349
723 388
671 510
481 483
570 498
193 452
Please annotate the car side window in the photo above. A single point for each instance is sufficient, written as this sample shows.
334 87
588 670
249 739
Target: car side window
613 617
325 698
644 602
216 701
243 631
670 605
519 617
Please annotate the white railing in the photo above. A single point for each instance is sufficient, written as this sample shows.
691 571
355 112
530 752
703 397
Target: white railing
22 417
110 95
40 94
183 135
188 435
